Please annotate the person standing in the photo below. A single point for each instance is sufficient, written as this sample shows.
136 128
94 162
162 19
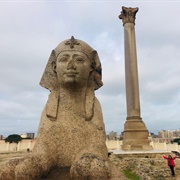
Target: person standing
171 164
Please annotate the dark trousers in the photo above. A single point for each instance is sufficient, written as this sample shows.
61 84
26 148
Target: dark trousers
172 170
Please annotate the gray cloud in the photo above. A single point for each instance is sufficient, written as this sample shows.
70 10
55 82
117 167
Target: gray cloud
30 30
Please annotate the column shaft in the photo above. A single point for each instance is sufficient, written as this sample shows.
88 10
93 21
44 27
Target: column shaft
131 72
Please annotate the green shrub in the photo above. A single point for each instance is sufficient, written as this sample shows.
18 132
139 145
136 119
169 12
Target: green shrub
13 138
130 175
176 140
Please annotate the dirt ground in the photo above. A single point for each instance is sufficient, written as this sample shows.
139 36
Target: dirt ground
5 156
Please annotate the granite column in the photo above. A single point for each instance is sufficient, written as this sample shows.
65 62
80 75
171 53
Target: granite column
135 132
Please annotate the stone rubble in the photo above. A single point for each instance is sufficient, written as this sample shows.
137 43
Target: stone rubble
146 168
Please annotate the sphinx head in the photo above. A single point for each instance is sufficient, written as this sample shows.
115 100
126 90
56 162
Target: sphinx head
72 61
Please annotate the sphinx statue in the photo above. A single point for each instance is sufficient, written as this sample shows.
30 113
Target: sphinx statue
71 133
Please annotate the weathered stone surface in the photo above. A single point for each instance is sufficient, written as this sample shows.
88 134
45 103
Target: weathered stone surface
71 135
151 168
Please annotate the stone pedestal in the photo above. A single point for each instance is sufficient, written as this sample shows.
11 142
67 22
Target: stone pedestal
135 131
135 135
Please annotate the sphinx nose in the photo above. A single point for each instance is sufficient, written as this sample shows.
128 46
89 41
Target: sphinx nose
71 65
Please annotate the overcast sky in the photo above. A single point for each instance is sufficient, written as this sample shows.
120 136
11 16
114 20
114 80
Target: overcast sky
29 30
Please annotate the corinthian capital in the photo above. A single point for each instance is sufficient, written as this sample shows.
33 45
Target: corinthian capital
128 15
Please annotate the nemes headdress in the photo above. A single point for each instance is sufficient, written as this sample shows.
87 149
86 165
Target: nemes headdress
49 78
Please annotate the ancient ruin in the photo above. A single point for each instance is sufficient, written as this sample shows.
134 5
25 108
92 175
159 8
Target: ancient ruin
135 132
71 135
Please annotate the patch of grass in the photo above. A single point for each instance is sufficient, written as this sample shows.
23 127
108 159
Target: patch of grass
130 175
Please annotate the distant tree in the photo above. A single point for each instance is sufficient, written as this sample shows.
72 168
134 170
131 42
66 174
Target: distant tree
176 140
13 138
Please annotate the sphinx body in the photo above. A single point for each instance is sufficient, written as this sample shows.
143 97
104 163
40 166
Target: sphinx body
71 132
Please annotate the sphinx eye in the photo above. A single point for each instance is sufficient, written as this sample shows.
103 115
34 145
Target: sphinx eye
63 59
79 60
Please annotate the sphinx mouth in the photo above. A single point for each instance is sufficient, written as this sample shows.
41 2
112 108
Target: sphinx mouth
71 74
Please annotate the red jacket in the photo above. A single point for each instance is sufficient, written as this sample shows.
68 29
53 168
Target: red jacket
170 160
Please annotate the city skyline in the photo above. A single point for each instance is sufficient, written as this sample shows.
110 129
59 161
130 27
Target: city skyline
107 133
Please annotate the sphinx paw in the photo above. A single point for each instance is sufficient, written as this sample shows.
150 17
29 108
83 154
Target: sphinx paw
7 171
91 167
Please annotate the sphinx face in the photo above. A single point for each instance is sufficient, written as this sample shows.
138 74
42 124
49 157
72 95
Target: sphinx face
73 67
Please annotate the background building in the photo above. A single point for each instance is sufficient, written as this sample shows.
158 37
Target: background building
169 133
28 135
112 135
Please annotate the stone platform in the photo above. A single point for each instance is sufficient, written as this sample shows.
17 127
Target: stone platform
142 154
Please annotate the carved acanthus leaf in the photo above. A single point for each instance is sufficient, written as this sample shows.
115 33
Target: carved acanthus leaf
128 15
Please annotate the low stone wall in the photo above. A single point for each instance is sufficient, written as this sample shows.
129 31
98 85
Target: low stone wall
22 145
116 145
111 145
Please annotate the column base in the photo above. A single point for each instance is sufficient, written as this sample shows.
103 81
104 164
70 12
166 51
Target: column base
135 135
